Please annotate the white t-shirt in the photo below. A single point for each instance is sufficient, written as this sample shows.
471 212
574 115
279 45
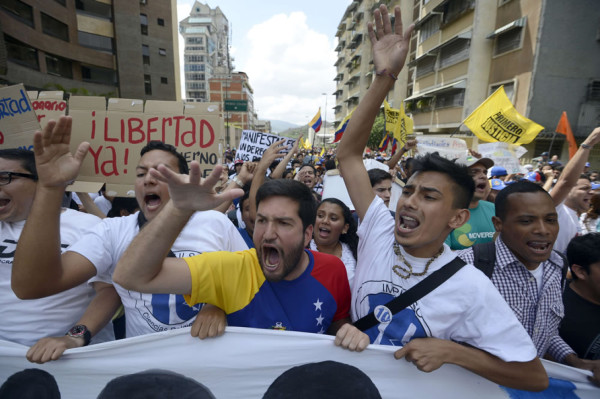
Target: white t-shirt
568 223
103 204
27 321
148 313
465 308
347 258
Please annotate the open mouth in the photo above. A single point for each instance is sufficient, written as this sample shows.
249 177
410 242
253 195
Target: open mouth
324 232
4 202
271 257
407 223
481 186
539 247
152 201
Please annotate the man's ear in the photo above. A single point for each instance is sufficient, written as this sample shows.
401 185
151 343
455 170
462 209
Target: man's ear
497 223
579 271
308 234
461 216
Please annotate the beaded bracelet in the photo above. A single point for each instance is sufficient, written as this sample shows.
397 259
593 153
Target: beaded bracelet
385 72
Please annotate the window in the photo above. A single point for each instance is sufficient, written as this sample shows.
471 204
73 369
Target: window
144 23
20 53
146 54
454 52
148 85
425 66
95 8
97 42
194 48
196 86
195 40
160 22
508 40
98 75
61 2
429 28
509 89
163 80
162 51
54 27
195 68
59 66
454 98
194 58
455 8
195 76
19 10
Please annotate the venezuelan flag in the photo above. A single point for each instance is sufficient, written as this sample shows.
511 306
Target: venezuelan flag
342 128
316 122
384 142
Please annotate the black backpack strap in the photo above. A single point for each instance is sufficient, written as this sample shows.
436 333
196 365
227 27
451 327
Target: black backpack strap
415 293
564 269
484 257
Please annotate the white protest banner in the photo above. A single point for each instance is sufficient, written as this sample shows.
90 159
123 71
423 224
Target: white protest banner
253 144
18 121
448 147
245 362
504 154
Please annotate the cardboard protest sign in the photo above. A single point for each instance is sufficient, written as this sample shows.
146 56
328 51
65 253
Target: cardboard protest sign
118 132
448 147
253 144
504 154
18 121
49 105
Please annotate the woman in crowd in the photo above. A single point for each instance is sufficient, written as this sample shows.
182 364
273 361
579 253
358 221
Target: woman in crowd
335 233
590 221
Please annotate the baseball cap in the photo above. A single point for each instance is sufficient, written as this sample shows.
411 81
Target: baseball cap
238 162
497 184
587 164
471 160
595 186
498 171
544 154
533 176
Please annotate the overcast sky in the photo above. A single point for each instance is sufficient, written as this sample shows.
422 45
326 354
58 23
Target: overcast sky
287 50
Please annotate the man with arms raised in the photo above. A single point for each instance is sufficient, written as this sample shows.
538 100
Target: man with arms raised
393 257
41 270
277 285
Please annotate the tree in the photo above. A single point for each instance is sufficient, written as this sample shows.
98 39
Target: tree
377 132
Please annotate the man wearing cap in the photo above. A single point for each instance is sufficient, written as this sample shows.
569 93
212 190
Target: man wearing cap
498 172
237 165
479 228
497 186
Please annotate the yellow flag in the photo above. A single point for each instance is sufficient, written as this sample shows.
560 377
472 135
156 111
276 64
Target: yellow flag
322 151
404 126
391 117
301 143
497 120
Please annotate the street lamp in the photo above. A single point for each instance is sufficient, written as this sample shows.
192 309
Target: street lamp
325 120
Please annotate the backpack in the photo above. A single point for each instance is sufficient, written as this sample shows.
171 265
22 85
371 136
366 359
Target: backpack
484 258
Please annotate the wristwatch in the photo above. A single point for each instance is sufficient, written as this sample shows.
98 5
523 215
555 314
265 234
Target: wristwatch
80 331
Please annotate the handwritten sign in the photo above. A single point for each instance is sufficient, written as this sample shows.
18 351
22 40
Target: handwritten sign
504 154
49 105
447 147
253 144
18 121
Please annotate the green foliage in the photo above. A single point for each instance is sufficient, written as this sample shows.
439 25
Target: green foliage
377 132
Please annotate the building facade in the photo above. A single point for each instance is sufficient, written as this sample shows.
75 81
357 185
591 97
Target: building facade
206 54
545 53
114 48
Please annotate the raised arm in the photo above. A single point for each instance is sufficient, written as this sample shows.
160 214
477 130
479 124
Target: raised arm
393 161
573 169
275 150
429 354
144 266
246 175
90 206
390 46
280 168
38 269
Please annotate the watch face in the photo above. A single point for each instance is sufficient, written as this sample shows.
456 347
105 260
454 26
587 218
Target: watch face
77 331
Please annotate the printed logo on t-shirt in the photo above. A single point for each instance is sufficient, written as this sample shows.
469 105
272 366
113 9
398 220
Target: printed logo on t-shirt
168 311
397 329
8 248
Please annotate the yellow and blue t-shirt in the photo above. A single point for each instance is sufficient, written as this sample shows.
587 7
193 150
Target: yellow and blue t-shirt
234 282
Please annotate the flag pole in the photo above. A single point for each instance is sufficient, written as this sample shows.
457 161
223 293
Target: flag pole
456 130
551 143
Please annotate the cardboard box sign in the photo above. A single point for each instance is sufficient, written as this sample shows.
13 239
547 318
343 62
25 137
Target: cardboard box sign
18 121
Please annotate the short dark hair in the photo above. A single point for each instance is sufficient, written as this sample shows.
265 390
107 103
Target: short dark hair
310 166
350 237
521 186
584 251
464 186
330 164
377 175
26 157
294 190
159 145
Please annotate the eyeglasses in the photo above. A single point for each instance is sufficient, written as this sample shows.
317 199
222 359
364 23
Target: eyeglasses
6 177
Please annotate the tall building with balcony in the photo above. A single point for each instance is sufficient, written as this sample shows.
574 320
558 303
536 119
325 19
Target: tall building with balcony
545 54
100 47
206 54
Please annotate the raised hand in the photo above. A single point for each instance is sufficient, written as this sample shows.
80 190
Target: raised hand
275 151
191 192
56 166
390 44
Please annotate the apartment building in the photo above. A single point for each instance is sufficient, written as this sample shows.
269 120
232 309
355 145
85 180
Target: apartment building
546 54
115 48
206 54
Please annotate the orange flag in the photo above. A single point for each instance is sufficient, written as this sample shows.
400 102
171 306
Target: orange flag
565 128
